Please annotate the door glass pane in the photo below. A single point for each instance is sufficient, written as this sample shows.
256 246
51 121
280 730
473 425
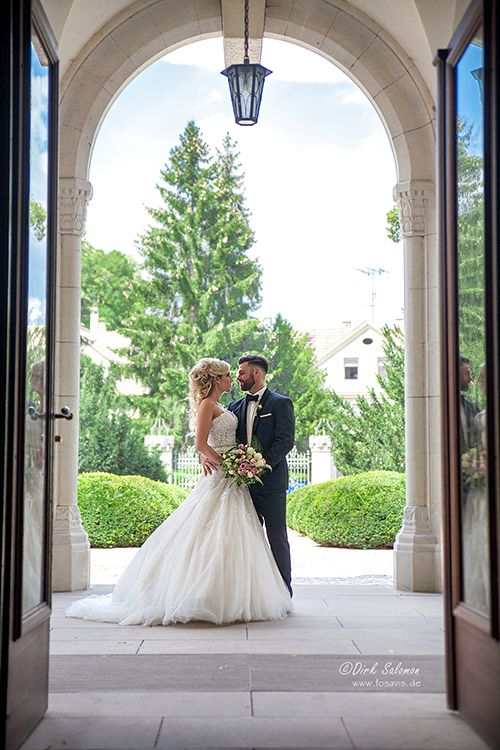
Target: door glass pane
471 322
36 416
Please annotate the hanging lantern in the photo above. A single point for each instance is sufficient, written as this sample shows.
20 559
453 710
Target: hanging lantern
246 83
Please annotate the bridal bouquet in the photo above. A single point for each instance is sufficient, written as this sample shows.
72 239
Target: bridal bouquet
243 464
474 466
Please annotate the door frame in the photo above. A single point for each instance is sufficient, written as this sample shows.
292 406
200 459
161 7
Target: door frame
472 639
25 637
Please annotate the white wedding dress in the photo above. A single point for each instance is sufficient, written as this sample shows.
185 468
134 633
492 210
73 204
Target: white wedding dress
209 560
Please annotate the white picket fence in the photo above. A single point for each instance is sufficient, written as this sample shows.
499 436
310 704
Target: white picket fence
187 469
299 468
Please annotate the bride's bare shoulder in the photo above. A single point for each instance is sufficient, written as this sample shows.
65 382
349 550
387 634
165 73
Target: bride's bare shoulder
209 409
206 405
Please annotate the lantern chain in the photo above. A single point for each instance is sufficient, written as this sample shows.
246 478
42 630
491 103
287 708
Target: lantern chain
246 59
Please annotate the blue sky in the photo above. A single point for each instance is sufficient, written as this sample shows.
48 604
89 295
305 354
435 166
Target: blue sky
319 176
38 185
469 105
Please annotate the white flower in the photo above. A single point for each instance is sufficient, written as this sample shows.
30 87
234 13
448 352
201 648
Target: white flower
258 456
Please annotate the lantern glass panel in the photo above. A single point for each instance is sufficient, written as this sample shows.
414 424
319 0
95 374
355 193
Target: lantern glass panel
246 83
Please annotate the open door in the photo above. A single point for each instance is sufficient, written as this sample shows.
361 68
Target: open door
468 100
28 231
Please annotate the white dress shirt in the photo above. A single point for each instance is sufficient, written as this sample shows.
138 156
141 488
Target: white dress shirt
251 412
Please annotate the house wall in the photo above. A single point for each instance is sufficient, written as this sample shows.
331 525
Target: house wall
367 355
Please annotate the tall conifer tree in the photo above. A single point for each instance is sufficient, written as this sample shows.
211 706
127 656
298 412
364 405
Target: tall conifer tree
196 270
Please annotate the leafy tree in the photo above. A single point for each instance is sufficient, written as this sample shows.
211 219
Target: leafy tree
393 224
293 372
470 236
196 291
196 271
292 366
371 434
109 440
107 283
38 219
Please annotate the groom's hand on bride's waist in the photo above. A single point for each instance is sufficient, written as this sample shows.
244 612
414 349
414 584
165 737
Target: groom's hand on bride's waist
208 465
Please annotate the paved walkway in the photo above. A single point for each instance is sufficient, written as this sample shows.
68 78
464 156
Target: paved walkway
311 563
356 666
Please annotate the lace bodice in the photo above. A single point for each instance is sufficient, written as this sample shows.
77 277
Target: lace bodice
222 435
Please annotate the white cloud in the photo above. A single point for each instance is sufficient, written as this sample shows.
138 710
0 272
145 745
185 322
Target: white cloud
353 96
35 310
215 96
288 62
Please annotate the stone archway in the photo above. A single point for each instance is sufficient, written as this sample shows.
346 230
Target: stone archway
370 56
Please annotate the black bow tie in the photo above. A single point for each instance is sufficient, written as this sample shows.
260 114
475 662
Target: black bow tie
250 397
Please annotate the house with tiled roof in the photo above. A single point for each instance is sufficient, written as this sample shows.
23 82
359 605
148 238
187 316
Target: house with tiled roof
351 355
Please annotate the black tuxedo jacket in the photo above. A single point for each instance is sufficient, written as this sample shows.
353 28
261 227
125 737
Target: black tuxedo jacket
274 429
468 438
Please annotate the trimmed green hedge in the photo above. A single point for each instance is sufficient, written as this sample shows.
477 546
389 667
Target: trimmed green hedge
121 511
363 511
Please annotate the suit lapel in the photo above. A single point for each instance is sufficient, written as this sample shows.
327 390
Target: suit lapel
241 412
261 405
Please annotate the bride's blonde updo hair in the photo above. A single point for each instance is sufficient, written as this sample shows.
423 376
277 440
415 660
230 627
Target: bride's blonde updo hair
202 378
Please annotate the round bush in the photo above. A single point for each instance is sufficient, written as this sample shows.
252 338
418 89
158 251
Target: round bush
120 511
363 511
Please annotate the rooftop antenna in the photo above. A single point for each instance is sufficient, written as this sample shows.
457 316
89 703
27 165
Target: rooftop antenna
372 272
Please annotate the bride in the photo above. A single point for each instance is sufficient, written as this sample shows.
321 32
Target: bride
209 560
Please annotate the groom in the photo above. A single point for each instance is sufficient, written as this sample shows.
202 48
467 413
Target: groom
266 419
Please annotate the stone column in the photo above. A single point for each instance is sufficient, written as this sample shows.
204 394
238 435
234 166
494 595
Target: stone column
416 545
71 549
322 466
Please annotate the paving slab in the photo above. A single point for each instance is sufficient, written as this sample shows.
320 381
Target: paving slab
250 733
298 620
98 734
318 704
407 733
108 646
330 645
378 606
149 703
147 672
137 632
325 587
401 624
395 642
332 673
298 633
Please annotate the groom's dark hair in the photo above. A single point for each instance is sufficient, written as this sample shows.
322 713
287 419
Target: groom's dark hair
255 359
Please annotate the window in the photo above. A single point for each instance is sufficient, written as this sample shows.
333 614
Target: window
351 369
381 369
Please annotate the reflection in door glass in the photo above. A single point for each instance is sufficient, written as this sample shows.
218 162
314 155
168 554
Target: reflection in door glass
36 416
471 326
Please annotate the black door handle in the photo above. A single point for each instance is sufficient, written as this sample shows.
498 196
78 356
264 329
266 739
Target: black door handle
65 413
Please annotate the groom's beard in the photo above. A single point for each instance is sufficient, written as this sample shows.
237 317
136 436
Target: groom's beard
247 384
